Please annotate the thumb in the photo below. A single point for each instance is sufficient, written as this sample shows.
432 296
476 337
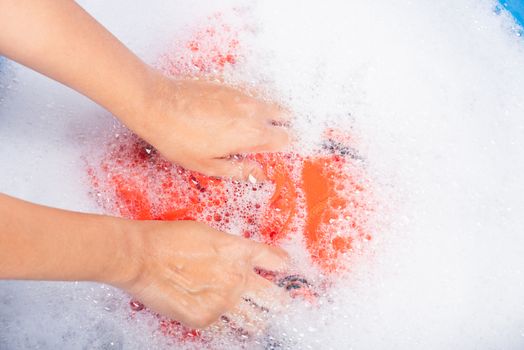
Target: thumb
238 169
268 258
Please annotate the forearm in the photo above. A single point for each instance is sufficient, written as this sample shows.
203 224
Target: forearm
59 39
41 243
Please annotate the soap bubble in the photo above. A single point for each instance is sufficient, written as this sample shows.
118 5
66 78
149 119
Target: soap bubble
431 94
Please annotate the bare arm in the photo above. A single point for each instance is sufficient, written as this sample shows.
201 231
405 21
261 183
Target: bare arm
184 269
41 243
59 39
195 124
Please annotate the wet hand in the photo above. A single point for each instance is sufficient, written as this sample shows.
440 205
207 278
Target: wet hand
195 274
205 126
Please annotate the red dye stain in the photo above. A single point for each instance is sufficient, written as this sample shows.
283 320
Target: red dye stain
209 51
326 209
322 198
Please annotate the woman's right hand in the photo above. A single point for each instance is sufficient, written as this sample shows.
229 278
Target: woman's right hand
195 274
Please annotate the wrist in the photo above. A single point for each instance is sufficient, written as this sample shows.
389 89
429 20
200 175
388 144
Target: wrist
141 111
125 263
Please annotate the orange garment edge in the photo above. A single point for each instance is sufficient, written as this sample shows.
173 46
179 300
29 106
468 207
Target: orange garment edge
319 178
308 194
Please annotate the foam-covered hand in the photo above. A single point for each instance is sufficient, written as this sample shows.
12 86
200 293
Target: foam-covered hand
203 126
195 274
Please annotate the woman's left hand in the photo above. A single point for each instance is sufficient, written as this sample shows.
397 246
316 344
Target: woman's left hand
208 127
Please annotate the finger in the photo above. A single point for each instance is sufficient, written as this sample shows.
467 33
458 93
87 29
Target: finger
264 295
261 299
275 114
244 319
273 139
268 258
238 169
261 137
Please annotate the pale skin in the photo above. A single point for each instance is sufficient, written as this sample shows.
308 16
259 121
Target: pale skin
184 270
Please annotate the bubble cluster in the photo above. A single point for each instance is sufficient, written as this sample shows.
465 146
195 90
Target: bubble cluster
313 199
427 98
323 198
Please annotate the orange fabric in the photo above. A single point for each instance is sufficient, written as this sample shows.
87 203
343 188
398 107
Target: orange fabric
318 181
311 195
140 185
308 194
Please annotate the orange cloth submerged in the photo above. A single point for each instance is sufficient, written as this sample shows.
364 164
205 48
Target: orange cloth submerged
325 199
320 196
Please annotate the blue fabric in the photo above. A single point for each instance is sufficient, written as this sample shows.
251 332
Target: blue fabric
516 8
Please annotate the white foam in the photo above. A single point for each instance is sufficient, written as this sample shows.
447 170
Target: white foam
433 90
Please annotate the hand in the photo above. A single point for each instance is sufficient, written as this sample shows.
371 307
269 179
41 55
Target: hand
197 124
207 127
195 274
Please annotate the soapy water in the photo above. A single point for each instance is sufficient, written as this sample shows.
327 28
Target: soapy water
432 92
322 200
516 8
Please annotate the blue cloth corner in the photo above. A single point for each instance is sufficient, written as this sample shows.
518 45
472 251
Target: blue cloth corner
516 8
